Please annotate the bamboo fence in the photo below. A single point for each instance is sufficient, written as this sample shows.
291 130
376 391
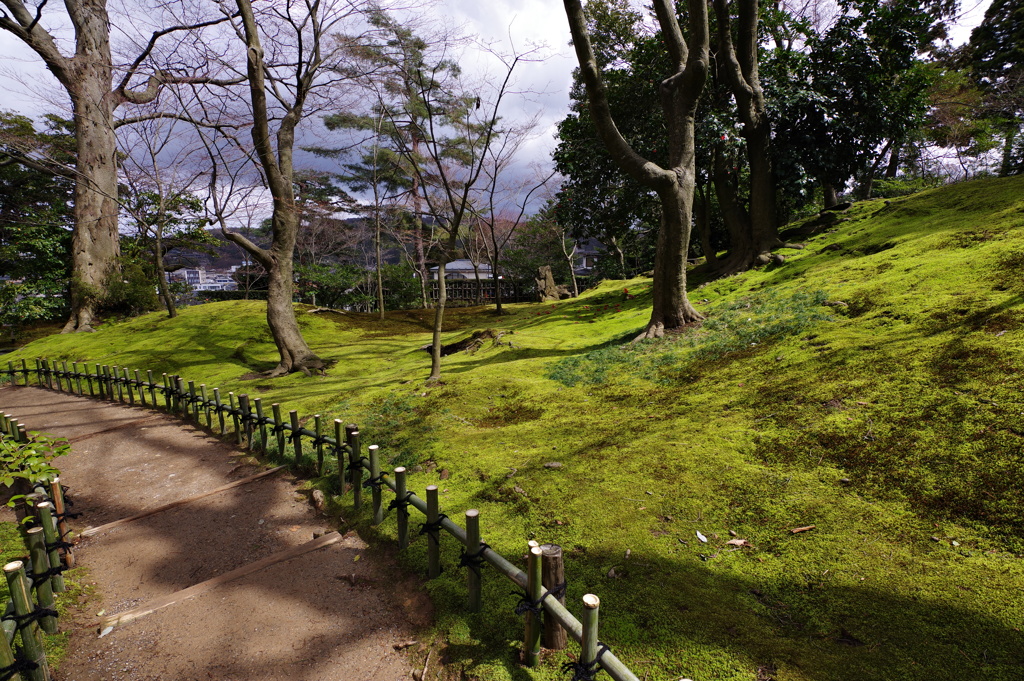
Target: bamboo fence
32 581
253 428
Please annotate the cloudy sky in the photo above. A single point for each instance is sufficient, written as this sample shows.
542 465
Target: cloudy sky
25 86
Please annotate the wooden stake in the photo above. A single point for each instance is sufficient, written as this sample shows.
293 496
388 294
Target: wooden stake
167 393
6 653
263 425
57 495
67 376
234 418
403 512
434 540
319 445
553 575
181 395
276 408
220 409
118 385
378 509
40 577
142 389
243 405
293 416
39 373
152 387
355 466
195 403
31 637
129 386
473 547
24 371
49 524
534 626
339 451
206 405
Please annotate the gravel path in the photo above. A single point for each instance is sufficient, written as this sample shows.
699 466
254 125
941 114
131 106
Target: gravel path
337 613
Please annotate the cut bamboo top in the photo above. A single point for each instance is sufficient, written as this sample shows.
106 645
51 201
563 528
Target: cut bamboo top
536 550
591 601
14 566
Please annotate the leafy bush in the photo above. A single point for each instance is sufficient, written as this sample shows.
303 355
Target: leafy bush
745 325
30 461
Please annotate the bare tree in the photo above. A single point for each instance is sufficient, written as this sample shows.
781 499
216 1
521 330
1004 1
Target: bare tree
674 185
96 88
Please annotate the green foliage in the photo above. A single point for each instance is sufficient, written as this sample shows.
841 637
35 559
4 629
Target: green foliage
894 428
336 286
132 291
747 325
401 287
30 461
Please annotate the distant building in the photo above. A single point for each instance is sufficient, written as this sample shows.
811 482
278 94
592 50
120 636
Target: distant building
200 279
463 269
587 253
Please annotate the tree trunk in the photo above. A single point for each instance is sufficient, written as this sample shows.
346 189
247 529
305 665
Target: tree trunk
1006 164
291 346
435 345
703 219
497 286
161 275
95 243
764 232
742 251
829 194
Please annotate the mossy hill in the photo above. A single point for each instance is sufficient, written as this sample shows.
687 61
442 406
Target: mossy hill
870 386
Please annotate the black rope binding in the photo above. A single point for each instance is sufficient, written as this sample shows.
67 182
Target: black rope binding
23 621
474 561
44 576
66 516
433 529
375 483
537 607
60 544
321 440
20 665
401 504
586 671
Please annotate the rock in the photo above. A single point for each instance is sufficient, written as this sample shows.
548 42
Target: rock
416 469
553 465
444 474
763 258
318 500
547 290
778 259
844 481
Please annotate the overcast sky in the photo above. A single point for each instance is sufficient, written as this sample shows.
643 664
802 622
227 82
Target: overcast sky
521 22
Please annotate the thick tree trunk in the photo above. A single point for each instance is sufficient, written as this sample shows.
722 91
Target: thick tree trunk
161 277
702 210
291 346
672 308
764 231
95 243
742 251
829 193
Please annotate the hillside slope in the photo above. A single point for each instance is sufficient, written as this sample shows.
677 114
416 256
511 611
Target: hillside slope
869 386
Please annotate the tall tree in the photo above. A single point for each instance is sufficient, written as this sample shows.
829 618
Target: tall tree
679 92
96 88
305 62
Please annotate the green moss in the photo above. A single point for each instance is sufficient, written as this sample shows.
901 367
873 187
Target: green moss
881 403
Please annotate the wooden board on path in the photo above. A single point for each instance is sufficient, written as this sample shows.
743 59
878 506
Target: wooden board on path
93 531
202 587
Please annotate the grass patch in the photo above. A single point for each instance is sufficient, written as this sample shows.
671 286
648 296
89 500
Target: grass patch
891 419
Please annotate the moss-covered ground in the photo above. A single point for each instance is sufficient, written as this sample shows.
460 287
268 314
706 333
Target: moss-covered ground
870 386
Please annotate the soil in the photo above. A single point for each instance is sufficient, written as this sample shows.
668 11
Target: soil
341 612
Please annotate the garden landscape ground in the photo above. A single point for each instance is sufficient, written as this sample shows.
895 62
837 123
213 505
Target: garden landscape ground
869 386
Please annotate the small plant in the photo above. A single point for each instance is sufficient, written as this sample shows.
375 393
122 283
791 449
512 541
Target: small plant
29 462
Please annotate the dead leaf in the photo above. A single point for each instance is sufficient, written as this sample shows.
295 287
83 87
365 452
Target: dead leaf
738 542
797 530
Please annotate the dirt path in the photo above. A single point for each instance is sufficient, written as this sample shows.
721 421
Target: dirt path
336 613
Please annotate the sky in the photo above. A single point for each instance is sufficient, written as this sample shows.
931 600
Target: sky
509 23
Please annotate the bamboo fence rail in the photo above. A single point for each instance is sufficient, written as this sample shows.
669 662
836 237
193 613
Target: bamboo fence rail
252 429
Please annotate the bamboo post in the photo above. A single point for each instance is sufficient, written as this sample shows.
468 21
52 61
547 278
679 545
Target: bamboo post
534 589
220 409
588 644
60 508
67 376
78 377
553 576
115 374
126 378
167 393
49 523
88 380
48 374
41 576
243 406
339 452
206 405
194 401
31 637
319 445
293 416
278 428
152 387
39 373
181 394
234 418
263 425
472 548
355 466
24 371
403 512
99 382
378 509
7 658
142 392
434 536
22 434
